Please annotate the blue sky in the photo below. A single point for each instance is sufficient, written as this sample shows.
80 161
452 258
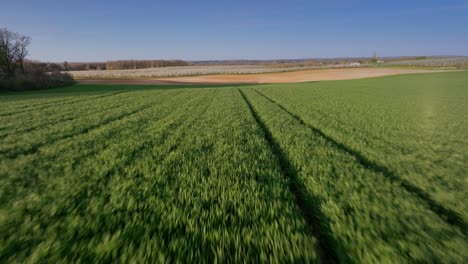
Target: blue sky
206 30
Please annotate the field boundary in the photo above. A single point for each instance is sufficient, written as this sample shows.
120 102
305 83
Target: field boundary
315 219
448 215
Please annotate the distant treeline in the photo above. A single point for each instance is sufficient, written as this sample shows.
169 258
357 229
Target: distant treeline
305 61
142 64
283 62
110 65
66 66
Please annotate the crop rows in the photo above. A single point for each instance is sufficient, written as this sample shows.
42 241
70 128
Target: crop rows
57 114
363 171
388 223
417 131
154 185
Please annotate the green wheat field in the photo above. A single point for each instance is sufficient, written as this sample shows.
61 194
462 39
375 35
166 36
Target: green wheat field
369 171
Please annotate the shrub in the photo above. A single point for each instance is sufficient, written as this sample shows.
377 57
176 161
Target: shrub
36 80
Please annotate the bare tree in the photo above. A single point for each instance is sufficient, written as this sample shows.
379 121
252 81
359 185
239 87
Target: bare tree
2 64
21 44
13 51
5 47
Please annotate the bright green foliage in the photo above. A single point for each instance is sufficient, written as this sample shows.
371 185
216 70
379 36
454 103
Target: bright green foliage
369 218
177 175
414 125
363 171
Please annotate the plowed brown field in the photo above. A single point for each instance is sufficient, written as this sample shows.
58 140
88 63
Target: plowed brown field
282 77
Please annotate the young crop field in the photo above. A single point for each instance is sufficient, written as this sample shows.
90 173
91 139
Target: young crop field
357 171
432 62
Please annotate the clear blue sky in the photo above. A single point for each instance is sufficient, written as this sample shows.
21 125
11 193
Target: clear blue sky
255 29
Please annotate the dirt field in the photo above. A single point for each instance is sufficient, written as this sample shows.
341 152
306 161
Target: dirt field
283 77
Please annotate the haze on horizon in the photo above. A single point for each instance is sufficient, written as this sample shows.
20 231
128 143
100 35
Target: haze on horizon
217 30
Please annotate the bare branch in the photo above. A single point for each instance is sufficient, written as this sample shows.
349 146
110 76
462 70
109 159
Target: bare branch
13 51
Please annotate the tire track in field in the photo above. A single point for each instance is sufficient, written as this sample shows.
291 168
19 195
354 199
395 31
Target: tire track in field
317 222
448 215
35 148
55 122
61 102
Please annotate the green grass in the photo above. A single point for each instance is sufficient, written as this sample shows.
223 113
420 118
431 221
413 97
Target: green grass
362 171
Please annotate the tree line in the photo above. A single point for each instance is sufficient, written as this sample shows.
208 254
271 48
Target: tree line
18 73
142 64
110 65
